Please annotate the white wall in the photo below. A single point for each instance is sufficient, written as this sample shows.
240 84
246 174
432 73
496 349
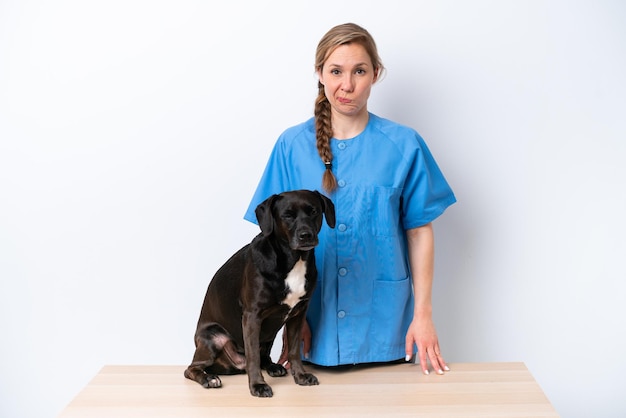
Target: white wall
132 135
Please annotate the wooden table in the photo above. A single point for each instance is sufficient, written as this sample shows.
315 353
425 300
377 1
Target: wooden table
469 390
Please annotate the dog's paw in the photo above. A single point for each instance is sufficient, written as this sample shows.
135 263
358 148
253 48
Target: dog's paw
276 370
211 381
306 379
262 390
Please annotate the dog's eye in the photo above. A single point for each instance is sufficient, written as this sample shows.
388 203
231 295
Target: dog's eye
288 215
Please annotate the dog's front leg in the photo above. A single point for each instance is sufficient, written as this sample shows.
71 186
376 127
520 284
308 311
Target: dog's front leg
251 323
293 328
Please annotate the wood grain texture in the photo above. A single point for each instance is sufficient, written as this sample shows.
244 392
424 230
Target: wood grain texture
399 390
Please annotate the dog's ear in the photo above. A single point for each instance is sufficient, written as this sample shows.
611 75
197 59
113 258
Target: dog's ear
329 209
264 215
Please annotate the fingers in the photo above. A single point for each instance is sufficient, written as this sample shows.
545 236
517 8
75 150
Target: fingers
408 347
436 360
442 362
423 361
306 345
427 355
284 356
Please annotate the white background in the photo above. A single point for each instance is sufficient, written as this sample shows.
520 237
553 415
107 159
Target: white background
133 133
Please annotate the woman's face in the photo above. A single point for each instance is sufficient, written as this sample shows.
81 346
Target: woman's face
347 76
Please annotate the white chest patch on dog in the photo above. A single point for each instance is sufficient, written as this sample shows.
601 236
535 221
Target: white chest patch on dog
294 282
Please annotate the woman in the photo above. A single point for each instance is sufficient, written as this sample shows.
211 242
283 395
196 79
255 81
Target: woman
372 302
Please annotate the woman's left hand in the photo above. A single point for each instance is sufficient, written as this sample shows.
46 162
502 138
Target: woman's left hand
422 333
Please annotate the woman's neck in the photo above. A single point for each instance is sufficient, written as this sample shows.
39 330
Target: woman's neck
349 126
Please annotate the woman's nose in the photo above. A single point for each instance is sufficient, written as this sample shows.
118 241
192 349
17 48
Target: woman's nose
347 83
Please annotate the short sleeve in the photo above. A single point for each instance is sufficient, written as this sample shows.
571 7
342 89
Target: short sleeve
275 179
426 193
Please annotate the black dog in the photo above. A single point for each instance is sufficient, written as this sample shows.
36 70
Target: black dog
265 285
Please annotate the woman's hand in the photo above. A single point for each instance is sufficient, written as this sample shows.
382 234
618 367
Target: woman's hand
306 345
422 333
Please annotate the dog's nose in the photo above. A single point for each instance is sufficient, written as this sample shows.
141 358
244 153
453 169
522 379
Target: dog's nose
305 236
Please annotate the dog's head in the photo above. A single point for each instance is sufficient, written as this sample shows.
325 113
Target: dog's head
296 217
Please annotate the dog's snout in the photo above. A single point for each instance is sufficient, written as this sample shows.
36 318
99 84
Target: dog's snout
305 235
303 239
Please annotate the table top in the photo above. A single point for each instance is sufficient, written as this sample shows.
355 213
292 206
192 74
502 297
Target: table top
468 390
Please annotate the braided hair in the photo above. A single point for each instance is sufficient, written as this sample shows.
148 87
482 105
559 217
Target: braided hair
339 35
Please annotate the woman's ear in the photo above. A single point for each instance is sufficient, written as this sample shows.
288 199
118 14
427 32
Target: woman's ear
319 76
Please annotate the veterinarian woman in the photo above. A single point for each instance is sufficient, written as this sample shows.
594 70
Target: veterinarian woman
372 302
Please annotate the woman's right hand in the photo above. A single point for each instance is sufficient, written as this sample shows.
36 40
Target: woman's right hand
306 345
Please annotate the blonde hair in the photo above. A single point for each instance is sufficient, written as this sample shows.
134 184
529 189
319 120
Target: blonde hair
346 33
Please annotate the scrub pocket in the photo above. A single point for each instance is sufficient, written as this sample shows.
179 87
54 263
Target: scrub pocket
392 302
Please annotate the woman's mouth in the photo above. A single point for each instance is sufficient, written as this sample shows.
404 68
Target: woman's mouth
343 100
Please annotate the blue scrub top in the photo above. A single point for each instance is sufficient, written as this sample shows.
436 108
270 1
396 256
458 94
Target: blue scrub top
388 182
